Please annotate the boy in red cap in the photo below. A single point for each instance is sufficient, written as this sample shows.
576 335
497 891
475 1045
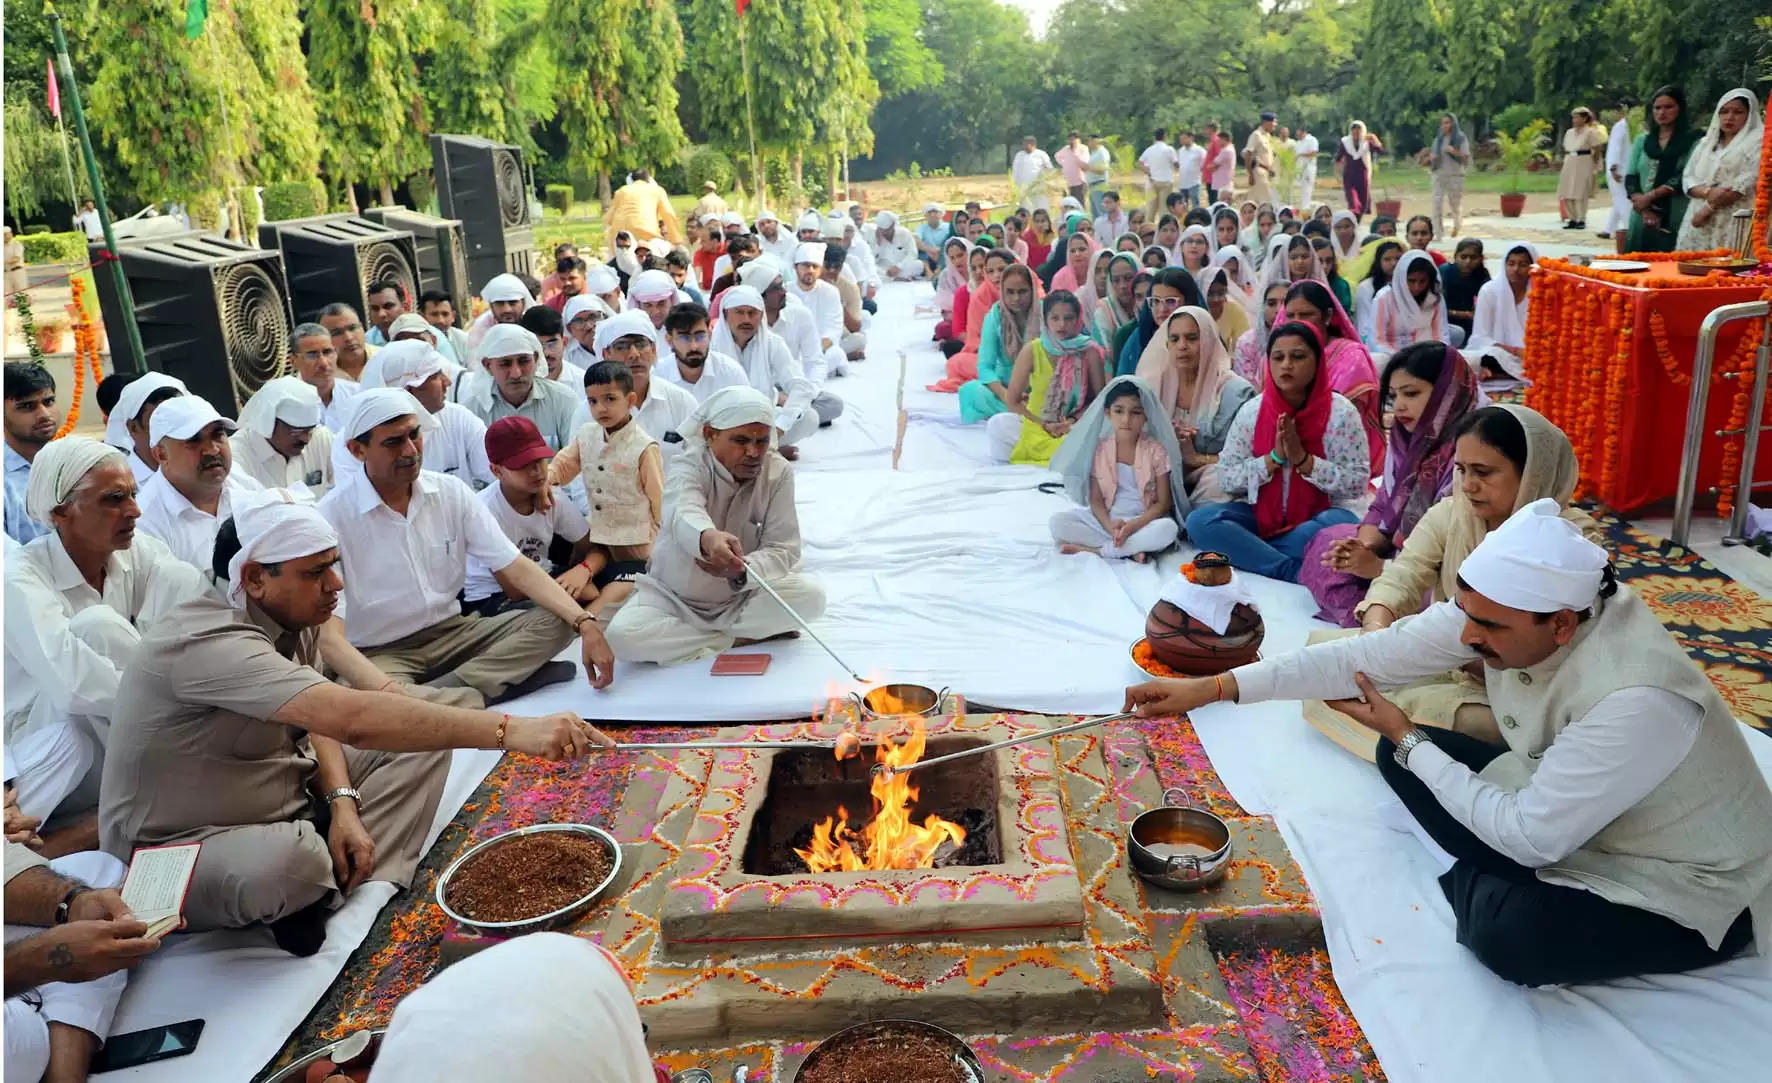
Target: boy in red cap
530 515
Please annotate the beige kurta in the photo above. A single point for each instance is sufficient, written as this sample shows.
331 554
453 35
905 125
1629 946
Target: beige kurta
198 757
1579 170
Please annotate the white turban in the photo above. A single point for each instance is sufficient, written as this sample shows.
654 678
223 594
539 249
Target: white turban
406 364
927 207
809 252
1537 561
759 274
408 322
728 408
732 218
741 297
507 287
602 279
129 404
275 525
767 216
631 322
507 340
885 220
836 225
582 303
651 286
381 405
811 220
58 468
288 399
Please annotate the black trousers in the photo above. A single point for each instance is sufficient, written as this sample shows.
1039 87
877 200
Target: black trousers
1535 933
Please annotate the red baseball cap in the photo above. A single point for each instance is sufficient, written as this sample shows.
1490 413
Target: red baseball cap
515 442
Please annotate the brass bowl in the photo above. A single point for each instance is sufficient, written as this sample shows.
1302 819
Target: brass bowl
917 699
835 1045
541 921
1179 823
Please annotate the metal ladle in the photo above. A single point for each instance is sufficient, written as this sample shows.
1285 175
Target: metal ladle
801 621
889 771
653 746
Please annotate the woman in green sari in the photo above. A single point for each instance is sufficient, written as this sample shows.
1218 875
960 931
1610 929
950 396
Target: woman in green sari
1653 176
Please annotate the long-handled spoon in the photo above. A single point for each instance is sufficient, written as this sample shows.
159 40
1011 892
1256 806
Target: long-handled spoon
881 768
801 621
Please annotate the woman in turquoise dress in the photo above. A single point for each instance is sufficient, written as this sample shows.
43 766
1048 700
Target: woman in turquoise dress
1008 326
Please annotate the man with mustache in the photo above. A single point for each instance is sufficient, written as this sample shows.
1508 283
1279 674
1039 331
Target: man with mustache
696 365
1621 828
299 789
185 501
31 421
405 537
660 406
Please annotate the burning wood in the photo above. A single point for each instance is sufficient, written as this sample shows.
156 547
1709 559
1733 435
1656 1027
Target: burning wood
889 840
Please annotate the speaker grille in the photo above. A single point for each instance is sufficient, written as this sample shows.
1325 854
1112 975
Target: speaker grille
380 260
255 326
513 198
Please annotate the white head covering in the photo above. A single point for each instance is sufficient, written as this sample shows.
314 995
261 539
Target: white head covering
1070 203
406 364
288 399
885 220
1352 251
936 207
506 287
767 216
1075 457
1245 279
129 404
631 322
506 340
379 406
741 297
408 322
1537 561
660 247
184 417
809 252
602 279
57 469
1710 163
650 286
275 525
810 220
758 274
582 303
732 218
728 408
836 225
1429 321
548 1008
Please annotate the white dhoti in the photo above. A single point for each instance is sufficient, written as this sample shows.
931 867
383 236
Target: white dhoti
1078 526
836 362
654 626
87 1005
1307 181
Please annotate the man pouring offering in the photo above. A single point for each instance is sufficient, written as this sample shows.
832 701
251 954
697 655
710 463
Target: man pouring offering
1621 830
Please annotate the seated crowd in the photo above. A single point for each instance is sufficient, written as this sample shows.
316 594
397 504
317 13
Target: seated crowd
266 634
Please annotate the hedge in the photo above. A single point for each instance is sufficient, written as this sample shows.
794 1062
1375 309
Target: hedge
559 198
63 248
294 199
707 164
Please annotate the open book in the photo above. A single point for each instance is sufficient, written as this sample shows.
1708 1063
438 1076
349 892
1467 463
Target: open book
159 879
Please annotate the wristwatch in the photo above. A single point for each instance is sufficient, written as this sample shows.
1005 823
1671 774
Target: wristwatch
344 791
1415 736
61 908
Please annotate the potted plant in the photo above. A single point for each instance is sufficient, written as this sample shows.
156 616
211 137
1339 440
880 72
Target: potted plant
1519 152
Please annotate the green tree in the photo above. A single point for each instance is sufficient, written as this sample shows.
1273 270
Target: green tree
280 128
362 64
35 175
619 105
488 72
1401 85
1482 73
897 55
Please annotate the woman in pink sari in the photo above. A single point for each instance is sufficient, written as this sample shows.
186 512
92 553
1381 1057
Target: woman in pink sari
1080 249
963 366
1345 360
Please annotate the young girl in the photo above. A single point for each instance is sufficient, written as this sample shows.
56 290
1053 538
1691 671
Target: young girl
1226 230
1038 238
1168 237
1119 468
947 290
1196 248
1117 306
1329 269
1249 358
1384 263
1460 281
1227 304
1056 377
1410 309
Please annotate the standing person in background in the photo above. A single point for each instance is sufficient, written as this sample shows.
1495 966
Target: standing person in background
1072 160
710 204
1101 163
1450 156
642 209
1026 172
87 221
1306 147
1258 157
1617 159
1159 163
1353 159
1722 170
17 279
1215 141
1190 170
1575 185
1654 176
1221 168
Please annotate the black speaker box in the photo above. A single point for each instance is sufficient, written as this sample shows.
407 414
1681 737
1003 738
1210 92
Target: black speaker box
213 312
336 256
484 185
442 254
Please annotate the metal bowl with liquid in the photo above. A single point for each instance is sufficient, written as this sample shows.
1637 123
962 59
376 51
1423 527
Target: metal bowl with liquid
1179 846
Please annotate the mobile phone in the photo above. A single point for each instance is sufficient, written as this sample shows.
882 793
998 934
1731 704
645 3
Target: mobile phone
147 1046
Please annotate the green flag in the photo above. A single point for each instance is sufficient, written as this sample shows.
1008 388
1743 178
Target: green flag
196 11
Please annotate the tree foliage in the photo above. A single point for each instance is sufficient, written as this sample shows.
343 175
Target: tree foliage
362 63
619 104
35 175
898 56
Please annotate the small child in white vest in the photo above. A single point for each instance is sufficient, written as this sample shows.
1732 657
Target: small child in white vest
623 472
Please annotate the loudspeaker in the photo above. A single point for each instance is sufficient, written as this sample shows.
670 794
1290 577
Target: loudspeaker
483 184
336 256
212 312
442 254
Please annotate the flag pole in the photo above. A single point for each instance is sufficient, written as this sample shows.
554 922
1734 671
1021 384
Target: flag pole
138 357
744 59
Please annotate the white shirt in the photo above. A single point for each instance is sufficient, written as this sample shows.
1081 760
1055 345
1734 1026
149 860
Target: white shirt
782 248
51 674
1599 766
310 472
770 366
1099 162
142 472
189 531
667 406
1306 147
90 225
1109 228
1159 160
402 572
717 371
1190 162
1617 149
531 534
332 414
796 327
826 306
1027 166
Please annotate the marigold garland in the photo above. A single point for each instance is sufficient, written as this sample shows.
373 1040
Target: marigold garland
85 357
1762 224
1637 281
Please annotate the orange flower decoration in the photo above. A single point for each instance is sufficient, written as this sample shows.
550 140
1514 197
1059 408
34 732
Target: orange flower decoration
85 357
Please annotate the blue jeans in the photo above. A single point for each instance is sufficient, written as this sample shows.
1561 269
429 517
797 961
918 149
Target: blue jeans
1096 190
1230 529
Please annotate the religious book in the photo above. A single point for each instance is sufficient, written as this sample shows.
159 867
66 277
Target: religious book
159 879
741 665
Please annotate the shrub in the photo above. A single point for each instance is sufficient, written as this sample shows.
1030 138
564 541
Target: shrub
558 197
294 199
1516 117
47 248
35 227
707 164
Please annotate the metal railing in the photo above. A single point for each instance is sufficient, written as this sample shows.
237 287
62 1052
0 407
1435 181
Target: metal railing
1702 364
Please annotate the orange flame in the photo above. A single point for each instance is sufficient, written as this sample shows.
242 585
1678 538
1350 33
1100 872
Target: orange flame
889 840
